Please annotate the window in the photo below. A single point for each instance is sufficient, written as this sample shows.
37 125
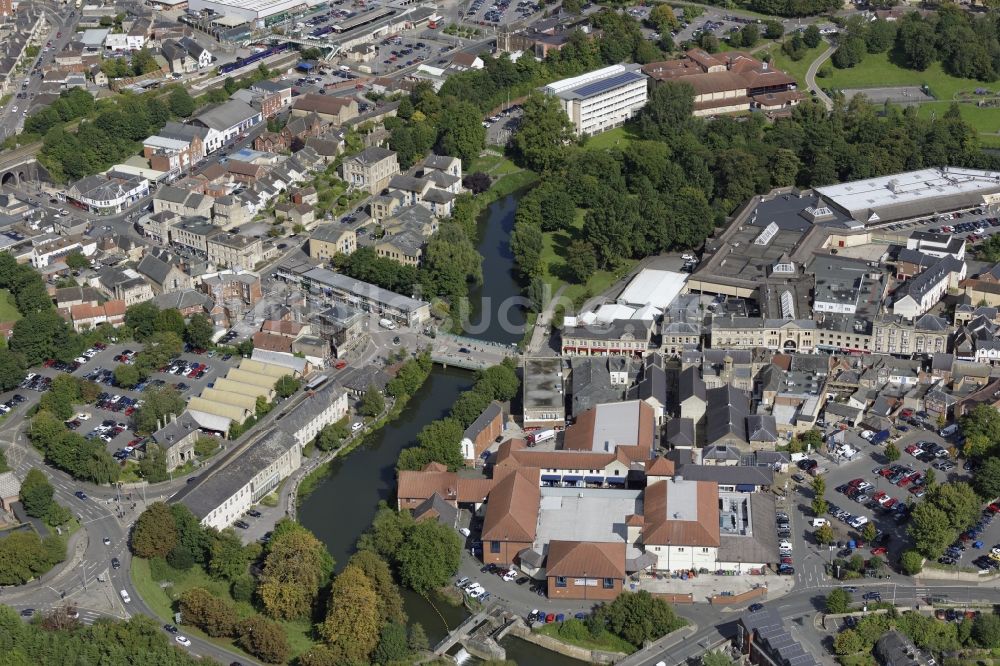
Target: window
609 583
680 550
560 581
494 546
704 550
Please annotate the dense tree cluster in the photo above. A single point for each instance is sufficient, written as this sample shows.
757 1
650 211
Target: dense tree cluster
139 63
424 555
946 511
439 441
138 640
966 44
365 264
84 459
96 145
37 497
635 617
24 556
296 566
925 631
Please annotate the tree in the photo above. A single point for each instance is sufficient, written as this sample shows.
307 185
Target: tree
296 566
216 617
850 52
155 532
228 558
390 602
127 376
981 428
351 627
418 638
192 538
160 403
915 42
637 617
199 331
460 131
869 532
749 35
668 110
498 382
891 452
716 658
392 644
153 466
76 261
372 402
824 535
838 601
931 530
545 131
180 102
811 36
662 18
264 639
819 506
958 502
170 320
36 493
581 260
332 436
773 29
441 440
286 386
987 478
526 245
819 485
429 556
12 370
477 183
141 318
911 562
451 263
986 630
848 642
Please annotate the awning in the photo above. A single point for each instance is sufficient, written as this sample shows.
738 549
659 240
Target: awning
572 478
305 66
745 487
550 477
616 480
594 479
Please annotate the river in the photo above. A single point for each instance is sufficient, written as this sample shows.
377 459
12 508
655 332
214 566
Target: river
344 503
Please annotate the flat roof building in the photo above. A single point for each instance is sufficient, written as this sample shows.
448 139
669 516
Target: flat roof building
544 393
913 194
602 99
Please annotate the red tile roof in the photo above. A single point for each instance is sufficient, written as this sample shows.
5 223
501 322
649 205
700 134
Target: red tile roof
661 528
512 512
586 559
421 485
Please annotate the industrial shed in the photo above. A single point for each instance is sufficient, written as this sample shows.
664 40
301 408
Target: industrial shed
232 386
261 368
237 414
229 398
256 379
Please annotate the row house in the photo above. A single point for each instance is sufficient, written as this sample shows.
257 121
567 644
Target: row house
622 337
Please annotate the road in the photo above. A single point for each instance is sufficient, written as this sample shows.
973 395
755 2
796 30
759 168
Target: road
102 515
811 76
59 20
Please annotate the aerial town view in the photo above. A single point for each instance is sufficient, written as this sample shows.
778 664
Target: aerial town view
500 332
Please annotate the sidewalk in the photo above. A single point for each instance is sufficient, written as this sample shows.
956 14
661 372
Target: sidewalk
707 585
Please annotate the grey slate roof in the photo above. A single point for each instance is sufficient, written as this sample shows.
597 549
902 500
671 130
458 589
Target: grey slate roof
690 384
153 268
726 413
770 633
728 475
680 432
226 115
182 299
371 155
214 488
307 410
446 513
921 283
483 420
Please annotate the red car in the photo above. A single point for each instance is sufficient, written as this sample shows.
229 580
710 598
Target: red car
878 495
786 560
192 374
551 617
994 507
340 365
881 550
891 503
886 472
855 483
913 449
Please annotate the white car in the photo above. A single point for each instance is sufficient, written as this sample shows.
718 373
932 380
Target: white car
83 416
820 522
858 522
183 640
687 257
509 576
356 426
125 596
785 545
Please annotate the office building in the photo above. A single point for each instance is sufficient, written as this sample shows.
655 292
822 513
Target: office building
602 99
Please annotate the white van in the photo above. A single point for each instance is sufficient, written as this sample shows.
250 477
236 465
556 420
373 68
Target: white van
948 431
820 522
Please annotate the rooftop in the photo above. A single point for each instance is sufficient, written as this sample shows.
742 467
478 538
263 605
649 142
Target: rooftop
588 514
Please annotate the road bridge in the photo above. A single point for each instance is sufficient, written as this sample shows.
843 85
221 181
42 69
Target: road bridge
21 165
459 633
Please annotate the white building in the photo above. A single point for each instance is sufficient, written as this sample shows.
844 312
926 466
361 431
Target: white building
602 99
226 122
220 497
323 407
252 11
937 245
107 195
923 291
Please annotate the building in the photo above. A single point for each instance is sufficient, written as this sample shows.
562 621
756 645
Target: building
344 327
107 195
602 99
544 397
123 285
764 639
163 272
231 251
170 155
341 288
222 495
234 292
86 317
185 203
621 337
329 240
680 525
482 433
240 12
177 437
371 169
335 110
321 407
10 485
913 194
226 122
919 294
724 83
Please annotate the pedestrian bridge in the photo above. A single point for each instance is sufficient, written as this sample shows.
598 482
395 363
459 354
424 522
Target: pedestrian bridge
468 353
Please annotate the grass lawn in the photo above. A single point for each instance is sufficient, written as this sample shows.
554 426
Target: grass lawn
8 311
607 641
796 68
876 70
492 165
554 246
986 121
161 600
618 137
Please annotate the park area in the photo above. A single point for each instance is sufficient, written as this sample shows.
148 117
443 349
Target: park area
8 311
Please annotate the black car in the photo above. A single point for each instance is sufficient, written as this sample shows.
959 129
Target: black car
753 608
170 629
115 563
873 596
80 495
242 524
254 513
27 612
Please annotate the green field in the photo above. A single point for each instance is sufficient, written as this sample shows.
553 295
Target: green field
161 600
795 68
606 641
618 137
492 165
876 70
554 244
8 311
986 121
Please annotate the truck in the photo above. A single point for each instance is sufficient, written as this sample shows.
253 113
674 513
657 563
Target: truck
387 324
541 436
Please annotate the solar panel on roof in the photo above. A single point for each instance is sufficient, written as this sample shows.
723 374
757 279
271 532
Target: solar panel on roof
604 85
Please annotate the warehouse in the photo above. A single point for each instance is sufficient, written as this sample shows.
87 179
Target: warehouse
232 386
913 194
238 414
252 378
228 398
653 287
253 11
